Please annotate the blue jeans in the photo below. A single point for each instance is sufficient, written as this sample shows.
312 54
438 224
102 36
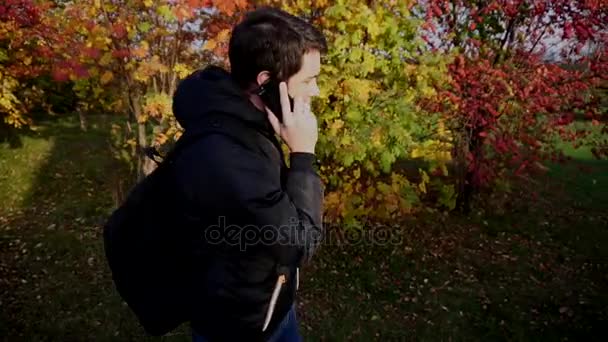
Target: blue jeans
287 331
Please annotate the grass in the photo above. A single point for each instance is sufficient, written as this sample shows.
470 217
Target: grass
538 272
58 191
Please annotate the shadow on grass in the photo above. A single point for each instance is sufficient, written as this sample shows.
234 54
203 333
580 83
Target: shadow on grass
55 282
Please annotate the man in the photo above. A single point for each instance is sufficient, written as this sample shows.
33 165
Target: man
257 219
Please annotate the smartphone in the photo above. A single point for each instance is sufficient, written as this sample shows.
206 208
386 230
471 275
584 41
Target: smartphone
270 94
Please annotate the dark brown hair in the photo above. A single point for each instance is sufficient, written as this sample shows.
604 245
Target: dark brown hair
269 39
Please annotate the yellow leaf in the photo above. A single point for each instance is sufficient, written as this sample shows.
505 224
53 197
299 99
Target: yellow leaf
210 44
161 139
361 89
223 35
142 50
422 187
416 153
105 59
148 3
106 77
335 126
425 177
182 70
376 138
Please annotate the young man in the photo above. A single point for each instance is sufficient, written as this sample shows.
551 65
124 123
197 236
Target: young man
256 219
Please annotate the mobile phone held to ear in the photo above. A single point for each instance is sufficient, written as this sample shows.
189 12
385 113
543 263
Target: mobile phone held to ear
270 94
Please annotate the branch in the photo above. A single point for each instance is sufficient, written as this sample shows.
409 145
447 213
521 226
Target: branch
539 39
508 32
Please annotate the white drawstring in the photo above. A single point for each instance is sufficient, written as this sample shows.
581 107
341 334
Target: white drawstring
273 300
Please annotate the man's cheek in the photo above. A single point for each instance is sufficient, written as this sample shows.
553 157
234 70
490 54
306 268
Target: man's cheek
293 93
292 88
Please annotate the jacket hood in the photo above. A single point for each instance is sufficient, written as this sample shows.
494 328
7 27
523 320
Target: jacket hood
212 90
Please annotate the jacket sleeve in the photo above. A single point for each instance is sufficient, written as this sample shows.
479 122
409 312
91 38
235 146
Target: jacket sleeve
305 191
288 220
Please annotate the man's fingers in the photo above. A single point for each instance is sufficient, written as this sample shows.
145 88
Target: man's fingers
285 104
274 121
299 105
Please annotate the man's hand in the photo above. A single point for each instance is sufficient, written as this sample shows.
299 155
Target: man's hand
299 128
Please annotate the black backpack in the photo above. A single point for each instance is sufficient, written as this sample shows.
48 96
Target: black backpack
146 244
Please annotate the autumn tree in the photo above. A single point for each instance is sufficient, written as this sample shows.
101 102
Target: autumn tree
510 95
133 53
372 78
25 36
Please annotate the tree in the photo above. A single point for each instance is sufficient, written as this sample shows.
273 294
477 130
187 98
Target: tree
506 101
25 35
372 79
136 51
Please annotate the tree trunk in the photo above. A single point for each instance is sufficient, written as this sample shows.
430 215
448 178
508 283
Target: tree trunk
141 145
467 179
142 141
462 199
145 165
83 119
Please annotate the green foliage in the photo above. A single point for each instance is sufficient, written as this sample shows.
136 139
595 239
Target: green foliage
123 146
372 79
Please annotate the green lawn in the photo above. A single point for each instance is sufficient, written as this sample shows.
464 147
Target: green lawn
537 273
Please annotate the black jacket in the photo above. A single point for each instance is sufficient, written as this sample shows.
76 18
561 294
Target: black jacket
252 218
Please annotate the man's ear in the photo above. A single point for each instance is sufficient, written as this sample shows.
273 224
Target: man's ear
263 77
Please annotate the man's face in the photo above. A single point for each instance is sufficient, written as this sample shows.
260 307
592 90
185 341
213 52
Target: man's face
304 82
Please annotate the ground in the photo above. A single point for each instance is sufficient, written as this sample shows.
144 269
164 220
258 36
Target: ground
536 272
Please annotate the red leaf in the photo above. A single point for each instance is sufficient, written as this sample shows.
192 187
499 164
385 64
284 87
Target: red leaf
60 75
119 30
436 10
568 31
91 53
521 168
122 53
81 71
90 24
